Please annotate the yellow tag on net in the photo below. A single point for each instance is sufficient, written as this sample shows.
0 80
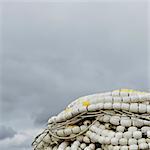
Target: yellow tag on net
86 103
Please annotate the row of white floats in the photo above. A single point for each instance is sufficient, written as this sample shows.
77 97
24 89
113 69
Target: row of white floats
118 120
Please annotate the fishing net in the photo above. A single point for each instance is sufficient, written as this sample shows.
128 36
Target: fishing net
116 120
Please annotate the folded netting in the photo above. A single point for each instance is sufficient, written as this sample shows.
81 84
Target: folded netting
117 120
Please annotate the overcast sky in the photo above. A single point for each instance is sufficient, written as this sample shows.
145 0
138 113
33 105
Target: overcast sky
54 53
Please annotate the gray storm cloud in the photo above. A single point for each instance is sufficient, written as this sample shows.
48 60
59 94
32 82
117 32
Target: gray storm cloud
55 52
6 132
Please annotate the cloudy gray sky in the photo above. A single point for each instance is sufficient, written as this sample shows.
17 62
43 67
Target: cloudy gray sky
53 53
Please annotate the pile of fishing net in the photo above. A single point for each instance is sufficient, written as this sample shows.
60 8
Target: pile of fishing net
117 120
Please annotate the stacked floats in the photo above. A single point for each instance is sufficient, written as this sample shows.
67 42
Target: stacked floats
117 120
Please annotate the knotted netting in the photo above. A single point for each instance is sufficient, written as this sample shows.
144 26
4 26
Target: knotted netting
117 120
